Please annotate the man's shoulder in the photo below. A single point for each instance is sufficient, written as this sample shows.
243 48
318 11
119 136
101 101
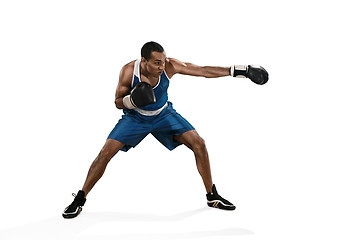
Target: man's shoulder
173 66
127 72
127 69
129 66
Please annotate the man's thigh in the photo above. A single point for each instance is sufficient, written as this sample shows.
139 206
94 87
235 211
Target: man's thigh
189 138
130 131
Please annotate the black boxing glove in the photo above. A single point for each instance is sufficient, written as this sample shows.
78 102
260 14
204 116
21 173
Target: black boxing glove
141 95
255 73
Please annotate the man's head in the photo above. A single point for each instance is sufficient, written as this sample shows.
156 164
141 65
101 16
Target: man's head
154 57
150 47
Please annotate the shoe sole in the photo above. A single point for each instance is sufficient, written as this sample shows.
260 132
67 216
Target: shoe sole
220 205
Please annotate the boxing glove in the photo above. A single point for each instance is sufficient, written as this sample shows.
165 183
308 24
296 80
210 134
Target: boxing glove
141 95
255 73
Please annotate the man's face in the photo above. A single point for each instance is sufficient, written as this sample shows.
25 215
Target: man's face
156 64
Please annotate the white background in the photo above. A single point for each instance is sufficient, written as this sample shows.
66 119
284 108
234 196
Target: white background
275 149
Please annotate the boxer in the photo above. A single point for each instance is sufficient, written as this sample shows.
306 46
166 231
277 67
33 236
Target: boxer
142 93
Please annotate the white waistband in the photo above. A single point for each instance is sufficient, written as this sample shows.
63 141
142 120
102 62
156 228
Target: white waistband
151 113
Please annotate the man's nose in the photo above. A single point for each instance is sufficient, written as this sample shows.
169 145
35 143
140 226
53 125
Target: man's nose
161 67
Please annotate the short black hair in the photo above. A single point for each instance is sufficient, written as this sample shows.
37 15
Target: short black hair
150 47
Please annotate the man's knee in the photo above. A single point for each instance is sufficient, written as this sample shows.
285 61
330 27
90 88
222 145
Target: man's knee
192 140
110 148
198 144
104 156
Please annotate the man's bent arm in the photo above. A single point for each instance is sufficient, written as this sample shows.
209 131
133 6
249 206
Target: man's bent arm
124 86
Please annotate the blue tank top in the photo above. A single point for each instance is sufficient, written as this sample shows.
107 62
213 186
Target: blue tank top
160 89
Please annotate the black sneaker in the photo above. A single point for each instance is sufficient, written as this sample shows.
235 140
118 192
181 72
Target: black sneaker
216 201
75 207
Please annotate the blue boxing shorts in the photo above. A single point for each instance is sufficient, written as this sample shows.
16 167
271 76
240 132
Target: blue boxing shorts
133 127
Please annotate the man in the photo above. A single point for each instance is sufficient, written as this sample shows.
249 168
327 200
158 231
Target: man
142 94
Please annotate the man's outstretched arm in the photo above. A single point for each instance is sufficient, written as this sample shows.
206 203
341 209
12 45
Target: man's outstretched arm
257 74
175 66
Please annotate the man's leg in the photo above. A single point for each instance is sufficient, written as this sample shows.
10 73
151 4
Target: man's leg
193 141
98 166
95 172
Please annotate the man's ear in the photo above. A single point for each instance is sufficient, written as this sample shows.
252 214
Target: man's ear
144 60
